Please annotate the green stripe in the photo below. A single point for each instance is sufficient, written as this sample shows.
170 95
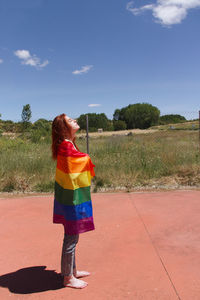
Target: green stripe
72 197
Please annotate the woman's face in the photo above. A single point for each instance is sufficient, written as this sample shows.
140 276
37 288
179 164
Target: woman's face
72 123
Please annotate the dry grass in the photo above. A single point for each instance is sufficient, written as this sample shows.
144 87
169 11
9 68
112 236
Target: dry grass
159 159
191 125
116 133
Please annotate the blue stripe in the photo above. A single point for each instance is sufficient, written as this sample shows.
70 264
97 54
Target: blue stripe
75 212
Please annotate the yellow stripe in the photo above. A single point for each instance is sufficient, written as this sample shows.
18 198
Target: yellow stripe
73 181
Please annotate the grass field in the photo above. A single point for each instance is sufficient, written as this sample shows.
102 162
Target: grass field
161 159
189 125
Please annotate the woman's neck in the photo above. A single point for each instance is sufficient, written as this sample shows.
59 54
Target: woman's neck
70 138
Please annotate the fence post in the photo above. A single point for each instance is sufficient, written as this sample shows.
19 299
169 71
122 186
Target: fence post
87 135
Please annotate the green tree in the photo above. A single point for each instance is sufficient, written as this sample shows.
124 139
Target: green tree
42 124
95 121
171 119
110 126
26 115
116 114
139 115
119 125
8 126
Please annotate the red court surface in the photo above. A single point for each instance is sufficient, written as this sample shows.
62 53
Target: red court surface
145 246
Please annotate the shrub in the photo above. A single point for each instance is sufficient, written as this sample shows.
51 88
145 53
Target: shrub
119 125
171 119
44 187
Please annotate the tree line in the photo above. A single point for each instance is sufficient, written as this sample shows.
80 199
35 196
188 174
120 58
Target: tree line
139 115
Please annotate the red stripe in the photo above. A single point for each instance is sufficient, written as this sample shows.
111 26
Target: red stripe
67 149
75 227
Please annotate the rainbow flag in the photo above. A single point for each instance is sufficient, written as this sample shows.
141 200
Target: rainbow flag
72 201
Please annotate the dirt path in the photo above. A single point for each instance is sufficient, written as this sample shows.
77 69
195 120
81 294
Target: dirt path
145 246
120 132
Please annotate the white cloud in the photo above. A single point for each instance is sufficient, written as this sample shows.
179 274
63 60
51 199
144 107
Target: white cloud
94 105
166 12
22 54
44 64
31 60
1 60
84 69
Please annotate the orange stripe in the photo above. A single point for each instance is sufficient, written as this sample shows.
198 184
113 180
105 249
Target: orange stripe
73 164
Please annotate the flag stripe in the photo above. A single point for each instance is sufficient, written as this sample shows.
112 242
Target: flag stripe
67 149
73 164
73 212
72 197
73 181
75 227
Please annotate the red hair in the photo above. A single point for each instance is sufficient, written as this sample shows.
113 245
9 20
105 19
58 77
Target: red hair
61 130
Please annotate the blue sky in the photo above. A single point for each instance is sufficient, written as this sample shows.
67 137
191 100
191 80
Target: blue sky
95 56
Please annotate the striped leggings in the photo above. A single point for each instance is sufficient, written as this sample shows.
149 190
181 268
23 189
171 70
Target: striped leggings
68 260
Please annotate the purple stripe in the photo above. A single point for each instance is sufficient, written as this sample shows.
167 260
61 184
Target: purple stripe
75 227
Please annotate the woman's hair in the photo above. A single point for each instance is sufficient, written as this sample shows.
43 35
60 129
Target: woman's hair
60 131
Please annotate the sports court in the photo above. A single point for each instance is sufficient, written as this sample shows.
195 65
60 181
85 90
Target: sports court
145 246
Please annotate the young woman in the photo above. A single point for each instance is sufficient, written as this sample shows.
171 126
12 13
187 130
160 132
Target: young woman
72 201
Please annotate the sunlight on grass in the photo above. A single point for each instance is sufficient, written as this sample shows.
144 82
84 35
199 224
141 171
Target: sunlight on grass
121 161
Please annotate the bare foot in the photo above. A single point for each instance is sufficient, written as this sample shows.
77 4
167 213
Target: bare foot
79 274
71 281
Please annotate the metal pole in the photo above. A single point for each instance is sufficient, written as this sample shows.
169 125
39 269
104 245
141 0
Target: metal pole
87 136
199 130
